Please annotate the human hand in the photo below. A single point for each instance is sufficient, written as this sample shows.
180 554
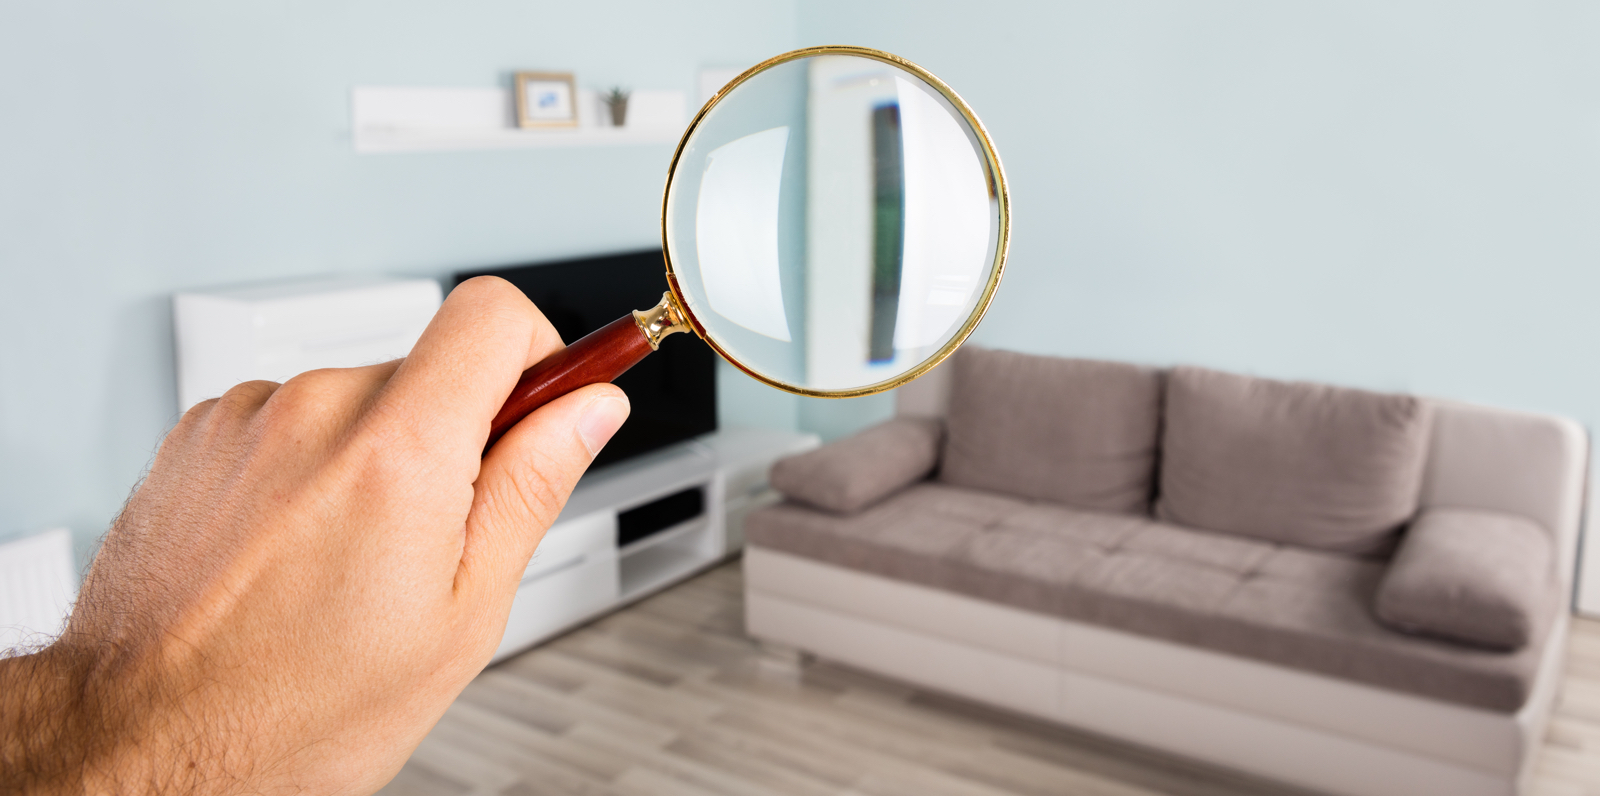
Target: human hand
309 574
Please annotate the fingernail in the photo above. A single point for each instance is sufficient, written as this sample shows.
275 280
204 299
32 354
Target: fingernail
601 418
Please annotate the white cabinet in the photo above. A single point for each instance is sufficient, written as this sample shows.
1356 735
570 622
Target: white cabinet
584 567
573 543
573 574
277 331
37 586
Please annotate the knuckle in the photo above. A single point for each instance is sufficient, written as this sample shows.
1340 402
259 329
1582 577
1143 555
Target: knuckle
316 399
196 423
310 387
198 413
243 399
220 420
256 390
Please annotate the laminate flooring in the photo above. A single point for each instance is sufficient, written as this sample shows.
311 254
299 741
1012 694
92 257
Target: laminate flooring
668 697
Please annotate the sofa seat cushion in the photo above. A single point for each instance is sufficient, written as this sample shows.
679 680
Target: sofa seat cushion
1308 464
1074 431
1304 609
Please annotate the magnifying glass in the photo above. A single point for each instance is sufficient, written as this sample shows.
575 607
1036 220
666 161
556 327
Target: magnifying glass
835 224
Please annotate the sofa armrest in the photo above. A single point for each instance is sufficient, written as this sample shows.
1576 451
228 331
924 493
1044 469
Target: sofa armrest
1522 463
850 474
1480 577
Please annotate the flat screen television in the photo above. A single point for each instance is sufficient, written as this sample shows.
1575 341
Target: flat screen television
674 390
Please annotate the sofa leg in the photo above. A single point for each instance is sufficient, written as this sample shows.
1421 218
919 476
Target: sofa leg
783 659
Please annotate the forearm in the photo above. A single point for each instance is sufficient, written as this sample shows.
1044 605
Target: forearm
46 739
70 725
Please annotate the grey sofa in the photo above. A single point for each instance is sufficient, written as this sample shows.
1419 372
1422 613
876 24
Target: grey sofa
1356 592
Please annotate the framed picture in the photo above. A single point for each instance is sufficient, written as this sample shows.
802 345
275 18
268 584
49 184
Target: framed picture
546 99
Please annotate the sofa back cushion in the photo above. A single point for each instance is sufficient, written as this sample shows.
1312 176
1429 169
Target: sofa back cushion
1073 431
1305 464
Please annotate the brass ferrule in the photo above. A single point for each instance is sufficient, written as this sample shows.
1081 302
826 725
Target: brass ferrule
661 320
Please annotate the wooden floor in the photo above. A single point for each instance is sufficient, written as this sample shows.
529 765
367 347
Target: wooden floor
669 698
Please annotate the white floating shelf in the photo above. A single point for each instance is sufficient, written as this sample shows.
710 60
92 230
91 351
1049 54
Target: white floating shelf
387 119
378 140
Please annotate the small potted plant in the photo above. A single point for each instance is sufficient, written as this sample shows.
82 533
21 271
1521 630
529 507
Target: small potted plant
617 100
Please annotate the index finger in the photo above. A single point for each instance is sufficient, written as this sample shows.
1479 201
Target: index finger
463 367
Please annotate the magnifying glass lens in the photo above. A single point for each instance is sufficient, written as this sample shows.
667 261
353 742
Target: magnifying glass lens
833 224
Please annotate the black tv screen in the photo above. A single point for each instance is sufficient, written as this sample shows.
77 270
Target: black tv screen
674 390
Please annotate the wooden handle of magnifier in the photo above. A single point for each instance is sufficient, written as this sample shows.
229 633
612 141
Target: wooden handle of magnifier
599 357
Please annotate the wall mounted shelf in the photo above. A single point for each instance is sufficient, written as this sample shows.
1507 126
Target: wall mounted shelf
398 119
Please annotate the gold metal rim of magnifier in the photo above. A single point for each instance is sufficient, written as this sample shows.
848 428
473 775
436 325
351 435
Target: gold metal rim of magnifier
997 176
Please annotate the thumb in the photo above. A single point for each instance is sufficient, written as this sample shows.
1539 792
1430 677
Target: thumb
525 481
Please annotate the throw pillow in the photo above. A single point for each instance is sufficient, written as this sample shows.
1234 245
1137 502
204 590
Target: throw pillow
1476 576
850 474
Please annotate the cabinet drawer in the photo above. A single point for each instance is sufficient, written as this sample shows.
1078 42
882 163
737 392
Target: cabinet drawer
570 542
557 599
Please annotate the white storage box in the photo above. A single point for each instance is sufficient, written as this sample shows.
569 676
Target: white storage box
277 331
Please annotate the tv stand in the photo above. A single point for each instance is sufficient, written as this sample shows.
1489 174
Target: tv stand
641 525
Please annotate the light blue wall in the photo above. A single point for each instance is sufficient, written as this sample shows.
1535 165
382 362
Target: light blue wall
1395 195
1391 195
162 145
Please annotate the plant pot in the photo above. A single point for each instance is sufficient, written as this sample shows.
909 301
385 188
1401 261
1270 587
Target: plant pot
619 113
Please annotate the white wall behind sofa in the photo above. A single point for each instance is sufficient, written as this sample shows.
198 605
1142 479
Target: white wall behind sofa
1394 195
176 144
